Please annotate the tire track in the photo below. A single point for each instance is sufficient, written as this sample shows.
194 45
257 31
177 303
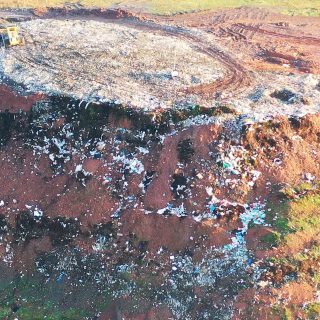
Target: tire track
234 81
306 40
237 77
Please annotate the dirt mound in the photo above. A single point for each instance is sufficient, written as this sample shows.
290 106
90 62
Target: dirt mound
108 211
262 33
157 82
148 207
236 61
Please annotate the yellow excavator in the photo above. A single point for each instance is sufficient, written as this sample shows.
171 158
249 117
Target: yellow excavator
9 36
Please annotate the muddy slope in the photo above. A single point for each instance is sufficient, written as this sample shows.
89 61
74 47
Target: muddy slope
147 215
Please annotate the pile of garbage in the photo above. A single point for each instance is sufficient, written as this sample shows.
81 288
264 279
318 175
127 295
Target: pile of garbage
120 64
237 166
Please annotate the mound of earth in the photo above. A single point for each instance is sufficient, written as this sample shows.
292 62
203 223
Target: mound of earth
141 67
240 57
191 210
140 212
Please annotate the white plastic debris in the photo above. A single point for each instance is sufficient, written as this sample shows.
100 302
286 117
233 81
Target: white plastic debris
143 150
101 145
200 176
37 213
209 191
263 284
174 74
309 177
78 168
174 211
134 165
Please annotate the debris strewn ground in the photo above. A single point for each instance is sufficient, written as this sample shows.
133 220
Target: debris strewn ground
101 59
152 175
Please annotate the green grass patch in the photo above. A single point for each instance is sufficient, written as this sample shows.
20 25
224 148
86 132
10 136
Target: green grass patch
312 254
4 312
273 238
278 217
313 311
37 302
284 313
304 214
299 191
288 217
165 7
32 312
293 7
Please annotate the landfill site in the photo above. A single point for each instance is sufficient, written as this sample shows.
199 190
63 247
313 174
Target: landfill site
159 167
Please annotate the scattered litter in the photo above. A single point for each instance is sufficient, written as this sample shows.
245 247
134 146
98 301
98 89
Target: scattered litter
82 175
170 210
200 176
309 177
60 277
36 212
134 165
174 74
235 160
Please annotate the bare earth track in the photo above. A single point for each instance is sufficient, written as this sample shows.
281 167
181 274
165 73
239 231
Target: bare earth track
257 26
237 76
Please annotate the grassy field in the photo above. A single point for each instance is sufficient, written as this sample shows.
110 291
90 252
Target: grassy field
293 7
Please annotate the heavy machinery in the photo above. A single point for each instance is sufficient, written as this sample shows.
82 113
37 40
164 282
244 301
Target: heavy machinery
9 36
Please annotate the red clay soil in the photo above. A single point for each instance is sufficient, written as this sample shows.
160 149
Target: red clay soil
159 313
297 147
10 100
174 233
21 168
262 39
159 193
256 303
26 180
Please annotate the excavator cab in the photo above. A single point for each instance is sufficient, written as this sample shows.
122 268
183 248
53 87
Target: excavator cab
9 36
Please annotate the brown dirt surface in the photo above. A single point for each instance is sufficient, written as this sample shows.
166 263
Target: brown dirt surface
265 39
141 230
14 102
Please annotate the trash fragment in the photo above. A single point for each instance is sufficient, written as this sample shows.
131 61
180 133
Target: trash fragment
285 95
134 165
170 210
82 175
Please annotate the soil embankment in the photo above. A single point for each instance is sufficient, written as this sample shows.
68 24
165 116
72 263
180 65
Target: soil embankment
141 205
